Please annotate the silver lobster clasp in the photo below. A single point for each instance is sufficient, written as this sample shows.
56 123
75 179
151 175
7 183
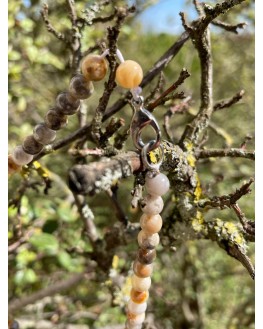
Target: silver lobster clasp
141 119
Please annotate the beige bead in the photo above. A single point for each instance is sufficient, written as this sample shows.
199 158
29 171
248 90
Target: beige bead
129 74
135 319
142 270
140 284
94 67
139 296
157 185
148 241
152 205
136 308
151 223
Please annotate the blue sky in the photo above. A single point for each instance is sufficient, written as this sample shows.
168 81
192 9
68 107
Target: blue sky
164 16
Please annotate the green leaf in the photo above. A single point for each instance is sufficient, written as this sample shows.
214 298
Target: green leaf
65 260
45 242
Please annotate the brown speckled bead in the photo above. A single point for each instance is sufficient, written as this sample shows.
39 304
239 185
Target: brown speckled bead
152 205
139 296
142 270
80 88
146 256
55 120
148 241
94 67
134 319
31 146
66 104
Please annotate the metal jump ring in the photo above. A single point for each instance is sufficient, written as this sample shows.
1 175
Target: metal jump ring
145 150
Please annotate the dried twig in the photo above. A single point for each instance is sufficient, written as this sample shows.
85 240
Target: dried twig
232 152
49 26
229 200
229 27
184 74
229 102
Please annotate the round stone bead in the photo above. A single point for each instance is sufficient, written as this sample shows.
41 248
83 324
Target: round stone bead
157 185
43 134
129 74
140 284
146 256
66 104
94 67
139 296
135 319
55 120
31 146
12 166
151 223
142 270
136 308
152 205
20 157
148 241
80 88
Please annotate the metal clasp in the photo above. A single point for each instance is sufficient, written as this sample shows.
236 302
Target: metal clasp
141 119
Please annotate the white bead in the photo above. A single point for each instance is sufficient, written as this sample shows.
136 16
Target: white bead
43 134
148 241
152 205
20 157
136 308
157 185
135 319
151 223
140 284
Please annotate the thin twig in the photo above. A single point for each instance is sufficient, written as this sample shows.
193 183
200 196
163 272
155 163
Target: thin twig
184 74
248 225
232 152
87 217
49 26
229 102
226 201
51 290
229 27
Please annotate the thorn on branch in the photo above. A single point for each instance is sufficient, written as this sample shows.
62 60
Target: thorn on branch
229 102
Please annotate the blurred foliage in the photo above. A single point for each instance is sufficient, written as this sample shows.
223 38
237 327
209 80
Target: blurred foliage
203 287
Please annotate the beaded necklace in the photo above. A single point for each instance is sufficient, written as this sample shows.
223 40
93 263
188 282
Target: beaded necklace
129 75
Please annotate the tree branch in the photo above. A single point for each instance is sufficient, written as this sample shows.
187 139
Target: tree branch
73 280
226 200
232 152
229 102
229 27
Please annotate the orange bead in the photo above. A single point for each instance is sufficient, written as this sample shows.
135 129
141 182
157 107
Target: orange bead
129 74
12 166
139 296
94 67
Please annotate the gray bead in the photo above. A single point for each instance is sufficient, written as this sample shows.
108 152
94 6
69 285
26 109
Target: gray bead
66 104
20 157
54 120
43 134
80 88
31 146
